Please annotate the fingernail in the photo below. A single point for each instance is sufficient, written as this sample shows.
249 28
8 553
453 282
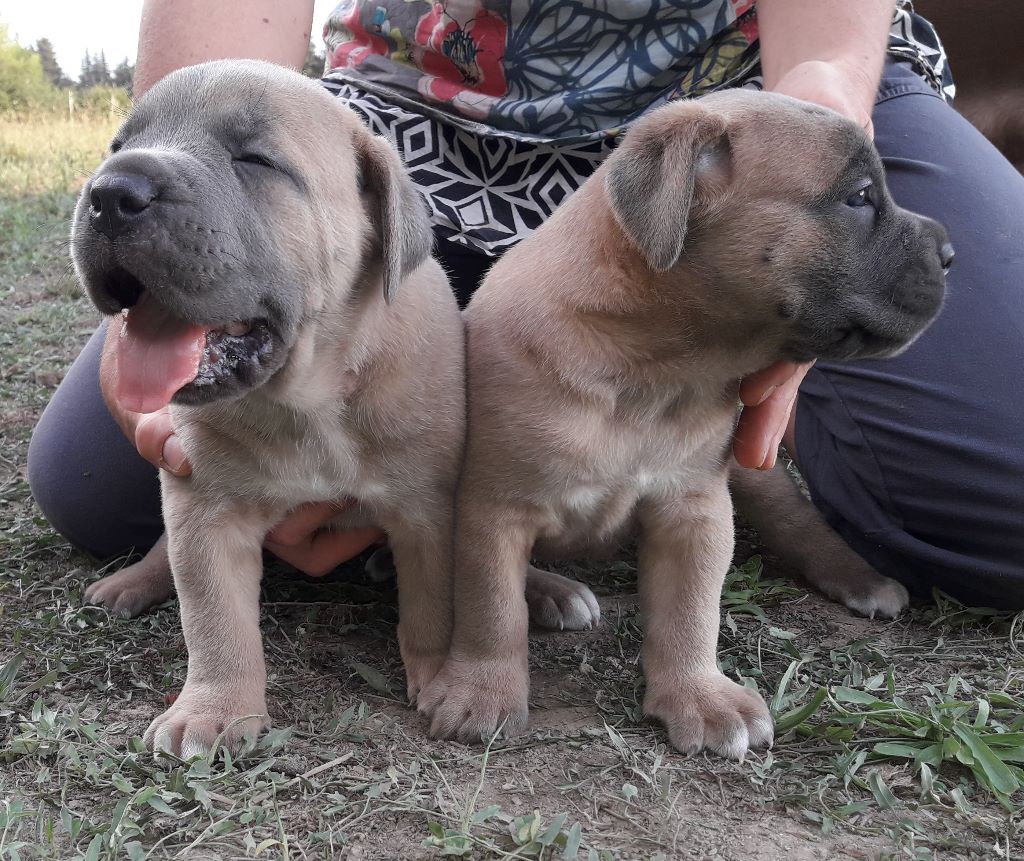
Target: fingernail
768 393
173 455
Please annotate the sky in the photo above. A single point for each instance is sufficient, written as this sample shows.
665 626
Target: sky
77 26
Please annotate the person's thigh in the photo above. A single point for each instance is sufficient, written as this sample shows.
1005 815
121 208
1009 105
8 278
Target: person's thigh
918 460
88 480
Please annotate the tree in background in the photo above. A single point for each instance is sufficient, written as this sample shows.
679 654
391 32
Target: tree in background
23 83
95 72
124 75
51 68
29 80
315 60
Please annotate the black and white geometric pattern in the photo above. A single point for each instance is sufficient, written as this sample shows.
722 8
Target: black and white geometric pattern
487 192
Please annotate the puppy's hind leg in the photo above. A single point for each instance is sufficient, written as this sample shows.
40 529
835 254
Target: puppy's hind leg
796 533
136 588
559 603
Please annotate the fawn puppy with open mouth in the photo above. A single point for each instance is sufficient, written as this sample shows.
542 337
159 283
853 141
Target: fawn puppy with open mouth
274 264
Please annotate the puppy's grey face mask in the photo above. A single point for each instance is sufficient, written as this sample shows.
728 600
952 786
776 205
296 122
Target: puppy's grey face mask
877 277
201 228
177 230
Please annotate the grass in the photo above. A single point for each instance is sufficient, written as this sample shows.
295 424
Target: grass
896 740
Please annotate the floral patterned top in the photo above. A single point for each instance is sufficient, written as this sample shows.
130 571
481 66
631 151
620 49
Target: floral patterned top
502 108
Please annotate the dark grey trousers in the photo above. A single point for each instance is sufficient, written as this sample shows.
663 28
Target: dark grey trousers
917 461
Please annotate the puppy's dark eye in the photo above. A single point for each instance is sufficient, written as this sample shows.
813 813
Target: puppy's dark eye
860 198
115 145
257 159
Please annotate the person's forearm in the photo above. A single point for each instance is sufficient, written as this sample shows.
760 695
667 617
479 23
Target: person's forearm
850 34
176 33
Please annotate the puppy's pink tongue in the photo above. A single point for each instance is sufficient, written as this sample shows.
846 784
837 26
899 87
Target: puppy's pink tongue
156 355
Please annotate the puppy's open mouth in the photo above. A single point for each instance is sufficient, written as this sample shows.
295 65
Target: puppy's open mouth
161 357
229 349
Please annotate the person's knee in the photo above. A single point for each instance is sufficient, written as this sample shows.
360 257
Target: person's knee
100 501
48 474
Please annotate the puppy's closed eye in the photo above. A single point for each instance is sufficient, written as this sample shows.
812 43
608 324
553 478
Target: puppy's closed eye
256 159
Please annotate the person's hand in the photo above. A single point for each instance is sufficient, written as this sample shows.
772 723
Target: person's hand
157 442
832 85
303 540
768 398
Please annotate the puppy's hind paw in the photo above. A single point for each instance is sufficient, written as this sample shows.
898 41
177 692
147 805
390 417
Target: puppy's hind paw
851 581
136 588
559 604
881 598
420 671
129 592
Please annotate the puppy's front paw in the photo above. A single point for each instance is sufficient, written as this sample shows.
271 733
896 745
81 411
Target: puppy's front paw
560 604
711 712
470 700
190 726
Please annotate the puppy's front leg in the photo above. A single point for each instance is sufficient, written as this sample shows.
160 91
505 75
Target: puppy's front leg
217 563
685 549
484 684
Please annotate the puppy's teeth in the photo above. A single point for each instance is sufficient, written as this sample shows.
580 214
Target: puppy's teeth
124 322
238 328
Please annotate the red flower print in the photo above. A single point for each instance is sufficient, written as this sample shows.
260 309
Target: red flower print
461 52
350 54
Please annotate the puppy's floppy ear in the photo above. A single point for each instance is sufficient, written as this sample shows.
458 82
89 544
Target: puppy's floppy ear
665 165
396 209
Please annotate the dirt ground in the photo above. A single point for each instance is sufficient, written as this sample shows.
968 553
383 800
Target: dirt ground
348 772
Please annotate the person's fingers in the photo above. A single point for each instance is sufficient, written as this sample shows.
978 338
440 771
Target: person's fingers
775 439
324 551
156 442
300 523
756 388
752 444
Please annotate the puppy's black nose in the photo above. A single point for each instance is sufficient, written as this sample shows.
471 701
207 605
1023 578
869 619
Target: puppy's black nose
946 255
117 201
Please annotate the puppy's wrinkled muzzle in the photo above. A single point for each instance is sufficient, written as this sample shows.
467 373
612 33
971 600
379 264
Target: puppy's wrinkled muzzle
117 202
